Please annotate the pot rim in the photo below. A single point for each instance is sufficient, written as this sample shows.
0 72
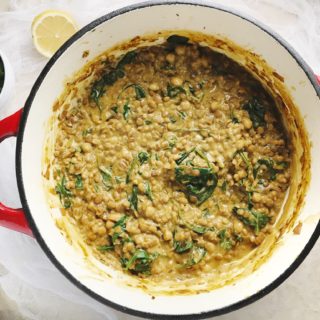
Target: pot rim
8 81
229 308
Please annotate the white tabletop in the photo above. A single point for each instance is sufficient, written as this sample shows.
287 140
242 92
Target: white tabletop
31 288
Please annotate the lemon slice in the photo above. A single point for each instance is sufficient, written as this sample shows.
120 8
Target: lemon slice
51 29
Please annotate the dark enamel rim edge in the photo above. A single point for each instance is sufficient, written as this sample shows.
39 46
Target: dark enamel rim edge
24 201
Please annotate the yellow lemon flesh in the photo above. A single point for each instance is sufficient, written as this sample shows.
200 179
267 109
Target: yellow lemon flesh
50 30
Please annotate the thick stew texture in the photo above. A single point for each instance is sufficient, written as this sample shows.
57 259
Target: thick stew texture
171 159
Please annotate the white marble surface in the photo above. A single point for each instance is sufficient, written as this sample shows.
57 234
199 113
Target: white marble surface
30 286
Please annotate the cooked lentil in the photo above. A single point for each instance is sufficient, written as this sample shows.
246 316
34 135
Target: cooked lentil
172 159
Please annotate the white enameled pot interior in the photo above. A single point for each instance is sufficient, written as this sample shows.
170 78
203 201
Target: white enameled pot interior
126 26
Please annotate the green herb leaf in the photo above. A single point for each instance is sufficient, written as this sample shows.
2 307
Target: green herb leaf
237 237
67 203
86 132
105 248
206 213
96 187
182 115
192 89
79 183
106 178
273 169
184 155
118 179
250 203
244 156
173 91
201 185
143 157
140 262
281 165
115 109
203 156
126 110
133 198
199 229
64 193
97 92
197 255
195 228
172 142
133 163
107 79
121 223
139 91
224 186
120 238
148 191
117 235
256 112
110 77
225 241
234 119
172 119
182 246
123 261
257 221
128 58
147 122
176 39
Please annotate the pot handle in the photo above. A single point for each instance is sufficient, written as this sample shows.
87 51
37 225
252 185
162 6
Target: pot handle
12 218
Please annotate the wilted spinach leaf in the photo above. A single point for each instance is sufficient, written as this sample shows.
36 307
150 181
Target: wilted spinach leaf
126 110
200 185
184 155
133 198
225 241
106 178
64 193
139 91
257 220
256 112
143 157
173 91
176 39
182 246
78 182
110 77
140 262
126 59
121 223
105 248
196 256
148 191
272 167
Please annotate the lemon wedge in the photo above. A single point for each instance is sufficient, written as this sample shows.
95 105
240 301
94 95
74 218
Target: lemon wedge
51 29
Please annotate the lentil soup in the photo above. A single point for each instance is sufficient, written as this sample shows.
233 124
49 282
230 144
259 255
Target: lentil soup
171 160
